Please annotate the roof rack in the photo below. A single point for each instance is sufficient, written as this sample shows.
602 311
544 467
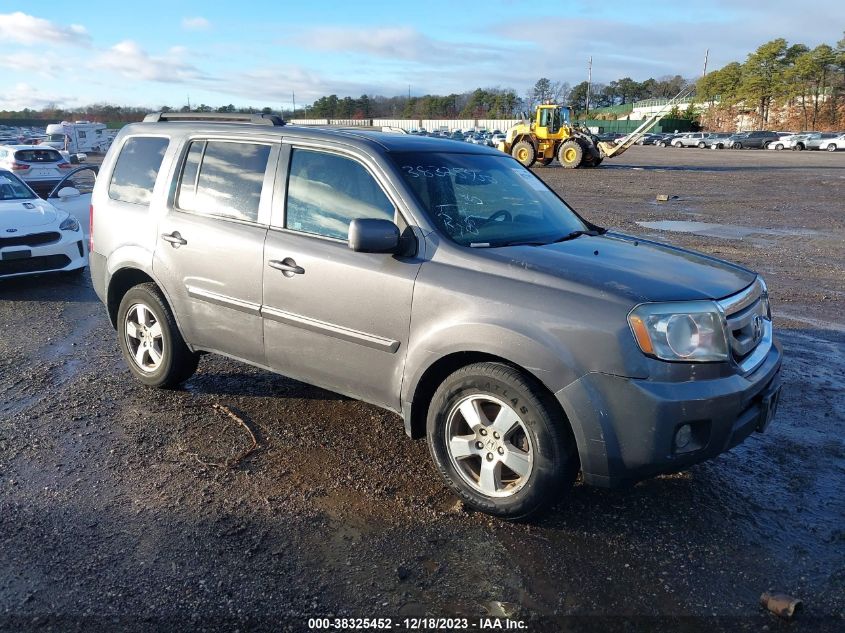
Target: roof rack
233 117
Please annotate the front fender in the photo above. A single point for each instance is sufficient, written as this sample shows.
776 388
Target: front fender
536 351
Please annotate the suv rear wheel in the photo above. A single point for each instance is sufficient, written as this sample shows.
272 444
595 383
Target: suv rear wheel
150 340
495 437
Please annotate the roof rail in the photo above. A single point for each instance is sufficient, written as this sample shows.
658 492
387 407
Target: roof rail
224 117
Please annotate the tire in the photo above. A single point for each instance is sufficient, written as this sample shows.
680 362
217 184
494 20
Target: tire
524 152
144 304
778 146
702 145
831 148
799 147
676 144
545 162
570 154
538 441
736 145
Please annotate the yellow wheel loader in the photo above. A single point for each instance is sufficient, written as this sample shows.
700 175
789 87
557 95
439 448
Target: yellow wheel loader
550 135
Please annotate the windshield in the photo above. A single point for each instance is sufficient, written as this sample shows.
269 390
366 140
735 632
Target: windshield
486 201
13 189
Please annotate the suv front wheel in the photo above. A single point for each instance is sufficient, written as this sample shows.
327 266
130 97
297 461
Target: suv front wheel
499 441
150 340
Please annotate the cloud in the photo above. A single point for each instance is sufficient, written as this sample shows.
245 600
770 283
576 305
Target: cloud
273 85
197 23
46 64
654 48
27 29
22 95
131 61
396 43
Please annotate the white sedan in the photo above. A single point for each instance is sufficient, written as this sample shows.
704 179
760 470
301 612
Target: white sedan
35 235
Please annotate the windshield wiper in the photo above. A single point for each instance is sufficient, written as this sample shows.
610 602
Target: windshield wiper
573 235
569 236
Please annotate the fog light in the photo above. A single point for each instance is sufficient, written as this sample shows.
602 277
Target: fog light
683 436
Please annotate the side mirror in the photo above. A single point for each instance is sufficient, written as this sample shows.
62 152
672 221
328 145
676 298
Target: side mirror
68 192
369 235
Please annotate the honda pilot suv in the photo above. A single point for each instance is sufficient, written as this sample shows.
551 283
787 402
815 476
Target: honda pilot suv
440 280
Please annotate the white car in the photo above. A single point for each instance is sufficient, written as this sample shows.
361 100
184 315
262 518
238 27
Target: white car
782 141
35 235
833 144
40 167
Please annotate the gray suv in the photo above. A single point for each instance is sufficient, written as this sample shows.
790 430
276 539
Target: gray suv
758 139
437 279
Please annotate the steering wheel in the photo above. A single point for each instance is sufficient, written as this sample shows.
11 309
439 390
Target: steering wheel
501 213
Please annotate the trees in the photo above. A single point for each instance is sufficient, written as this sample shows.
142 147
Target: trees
762 77
781 78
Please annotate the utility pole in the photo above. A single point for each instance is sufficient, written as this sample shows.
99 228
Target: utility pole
706 55
293 100
589 86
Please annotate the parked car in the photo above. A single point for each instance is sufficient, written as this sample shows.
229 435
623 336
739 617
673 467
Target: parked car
497 138
812 140
714 140
649 139
40 167
757 139
666 141
444 282
782 141
35 236
833 144
690 139
609 136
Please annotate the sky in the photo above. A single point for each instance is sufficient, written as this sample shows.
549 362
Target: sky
260 53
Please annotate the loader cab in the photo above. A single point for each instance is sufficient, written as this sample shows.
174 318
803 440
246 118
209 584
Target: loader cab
550 120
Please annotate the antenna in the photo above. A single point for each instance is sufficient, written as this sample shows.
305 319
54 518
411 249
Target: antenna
706 55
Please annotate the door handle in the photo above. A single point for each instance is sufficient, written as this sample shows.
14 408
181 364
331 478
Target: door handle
175 239
287 266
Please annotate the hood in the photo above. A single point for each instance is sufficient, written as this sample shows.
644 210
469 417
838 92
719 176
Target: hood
639 270
16 214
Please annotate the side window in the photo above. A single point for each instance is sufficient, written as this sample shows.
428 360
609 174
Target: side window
82 180
136 170
224 179
326 192
80 133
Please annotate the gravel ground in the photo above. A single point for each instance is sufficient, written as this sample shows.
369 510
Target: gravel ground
110 520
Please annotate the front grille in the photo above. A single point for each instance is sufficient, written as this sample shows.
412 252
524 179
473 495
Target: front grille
748 325
33 264
36 239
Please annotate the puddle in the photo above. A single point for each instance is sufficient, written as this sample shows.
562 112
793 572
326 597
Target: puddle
723 231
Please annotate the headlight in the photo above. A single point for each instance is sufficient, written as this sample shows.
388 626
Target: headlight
691 331
70 224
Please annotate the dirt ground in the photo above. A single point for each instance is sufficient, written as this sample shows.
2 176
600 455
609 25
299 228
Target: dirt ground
109 521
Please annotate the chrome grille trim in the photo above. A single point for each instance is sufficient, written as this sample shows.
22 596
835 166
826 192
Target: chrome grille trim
742 311
735 303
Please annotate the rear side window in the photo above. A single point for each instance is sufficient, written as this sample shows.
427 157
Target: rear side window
38 156
223 179
136 170
326 192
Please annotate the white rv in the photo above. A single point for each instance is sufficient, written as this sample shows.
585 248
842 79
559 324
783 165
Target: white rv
79 136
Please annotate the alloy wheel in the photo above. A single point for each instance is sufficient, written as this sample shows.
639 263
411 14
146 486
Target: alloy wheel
489 445
143 336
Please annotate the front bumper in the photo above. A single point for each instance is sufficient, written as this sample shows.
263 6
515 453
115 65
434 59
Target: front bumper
67 253
625 428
